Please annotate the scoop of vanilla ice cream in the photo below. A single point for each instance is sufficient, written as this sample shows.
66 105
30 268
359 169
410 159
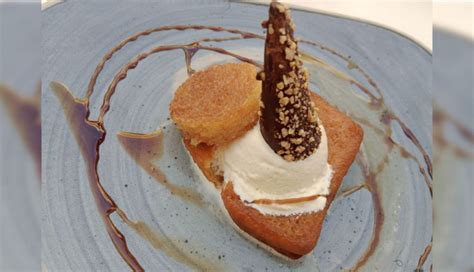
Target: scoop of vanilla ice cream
257 172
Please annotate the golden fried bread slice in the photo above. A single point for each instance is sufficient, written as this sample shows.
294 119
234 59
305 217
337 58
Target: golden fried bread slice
218 104
293 236
203 156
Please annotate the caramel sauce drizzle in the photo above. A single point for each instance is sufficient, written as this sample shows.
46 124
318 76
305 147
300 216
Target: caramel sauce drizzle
377 102
424 256
112 51
265 201
148 148
122 74
379 215
90 134
351 190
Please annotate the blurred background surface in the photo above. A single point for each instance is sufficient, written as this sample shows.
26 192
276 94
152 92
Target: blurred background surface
453 136
20 204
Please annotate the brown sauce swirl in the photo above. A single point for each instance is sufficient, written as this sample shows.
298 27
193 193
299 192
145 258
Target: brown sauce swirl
90 134
147 148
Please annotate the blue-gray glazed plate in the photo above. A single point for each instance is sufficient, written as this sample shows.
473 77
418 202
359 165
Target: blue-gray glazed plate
378 77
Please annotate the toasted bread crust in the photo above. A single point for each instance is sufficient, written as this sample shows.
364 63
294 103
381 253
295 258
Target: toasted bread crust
203 157
217 105
231 109
295 236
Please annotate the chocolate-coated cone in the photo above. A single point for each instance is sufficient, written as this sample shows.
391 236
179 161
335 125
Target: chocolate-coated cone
288 118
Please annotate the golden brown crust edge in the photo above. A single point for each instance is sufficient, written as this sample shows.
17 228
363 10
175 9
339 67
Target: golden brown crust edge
217 105
203 157
292 236
295 236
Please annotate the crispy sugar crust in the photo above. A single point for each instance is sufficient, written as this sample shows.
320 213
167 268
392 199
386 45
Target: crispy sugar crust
203 156
217 105
293 236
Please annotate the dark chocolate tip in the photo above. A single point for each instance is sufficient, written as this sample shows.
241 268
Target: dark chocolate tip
288 121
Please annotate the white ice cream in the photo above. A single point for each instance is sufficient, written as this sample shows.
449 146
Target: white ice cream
257 172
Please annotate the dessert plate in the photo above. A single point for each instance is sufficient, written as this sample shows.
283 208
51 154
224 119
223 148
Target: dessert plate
381 219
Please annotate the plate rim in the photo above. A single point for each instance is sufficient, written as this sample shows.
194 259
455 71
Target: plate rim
342 16
51 3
